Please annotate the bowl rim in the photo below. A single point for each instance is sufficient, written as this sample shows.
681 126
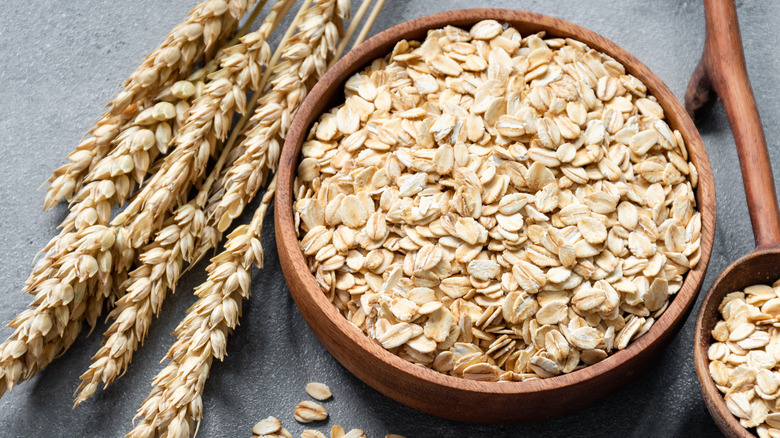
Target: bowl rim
356 60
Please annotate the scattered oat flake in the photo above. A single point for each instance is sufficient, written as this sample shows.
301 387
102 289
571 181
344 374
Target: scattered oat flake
319 391
308 411
355 433
267 426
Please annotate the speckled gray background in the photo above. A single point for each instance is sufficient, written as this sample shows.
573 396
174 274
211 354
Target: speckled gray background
62 61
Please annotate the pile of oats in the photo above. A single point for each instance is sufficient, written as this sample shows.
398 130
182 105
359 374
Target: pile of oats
497 206
744 359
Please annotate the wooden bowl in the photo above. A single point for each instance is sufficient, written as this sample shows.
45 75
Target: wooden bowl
758 267
425 389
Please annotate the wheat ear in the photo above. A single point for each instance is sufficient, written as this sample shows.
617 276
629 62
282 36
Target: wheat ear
208 23
207 123
175 402
75 262
68 288
185 237
139 144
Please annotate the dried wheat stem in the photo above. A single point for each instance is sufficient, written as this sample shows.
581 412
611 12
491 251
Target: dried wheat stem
208 122
185 237
369 23
175 404
206 127
209 22
353 24
247 26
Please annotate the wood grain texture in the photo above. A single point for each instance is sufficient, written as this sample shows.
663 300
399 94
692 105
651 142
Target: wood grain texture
428 390
722 72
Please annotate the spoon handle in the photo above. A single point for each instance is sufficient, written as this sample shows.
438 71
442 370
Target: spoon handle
722 71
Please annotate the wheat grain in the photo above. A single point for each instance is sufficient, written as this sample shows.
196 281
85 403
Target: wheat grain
199 139
209 22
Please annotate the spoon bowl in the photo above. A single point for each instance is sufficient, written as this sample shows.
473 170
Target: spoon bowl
758 267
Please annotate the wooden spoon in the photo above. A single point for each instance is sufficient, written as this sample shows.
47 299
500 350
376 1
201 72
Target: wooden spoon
722 71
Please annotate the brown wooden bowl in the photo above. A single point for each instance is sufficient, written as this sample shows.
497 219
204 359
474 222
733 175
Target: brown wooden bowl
758 267
425 389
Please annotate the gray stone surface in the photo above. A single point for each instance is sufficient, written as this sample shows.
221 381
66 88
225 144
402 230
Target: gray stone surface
62 61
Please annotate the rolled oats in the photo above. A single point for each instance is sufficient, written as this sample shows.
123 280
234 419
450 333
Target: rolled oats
267 426
744 357
500 207
318 391
308 411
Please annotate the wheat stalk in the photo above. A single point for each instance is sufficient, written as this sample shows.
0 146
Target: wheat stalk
109 183
207 123
175 402
141 140
67 286
185 237
209 22
200 138
91 269
369 23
